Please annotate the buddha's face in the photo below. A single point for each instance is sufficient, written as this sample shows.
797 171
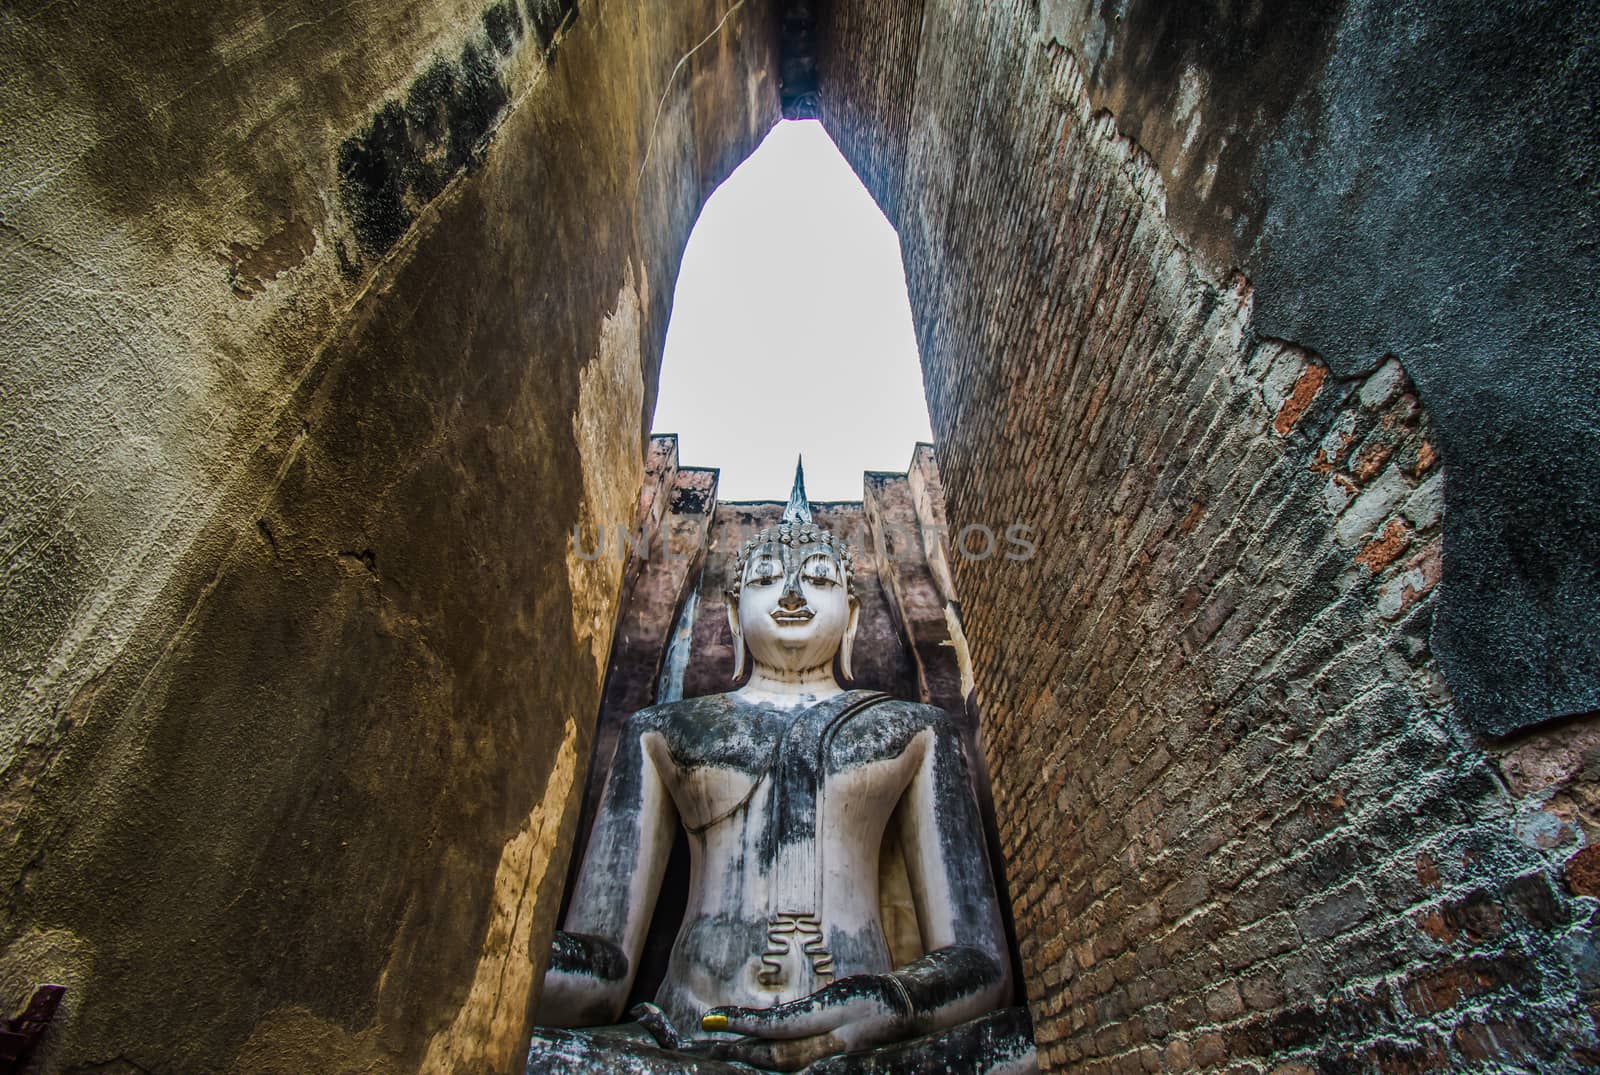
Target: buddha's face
794 608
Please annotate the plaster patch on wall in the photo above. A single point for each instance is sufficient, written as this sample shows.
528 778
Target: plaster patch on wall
252 267
608 428
1333 136
958 641
489 1030
1063 21
292 1039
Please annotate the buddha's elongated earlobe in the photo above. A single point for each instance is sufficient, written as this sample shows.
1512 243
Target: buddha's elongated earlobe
849 641
738 636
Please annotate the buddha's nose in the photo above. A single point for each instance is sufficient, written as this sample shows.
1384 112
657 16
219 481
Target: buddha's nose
792 600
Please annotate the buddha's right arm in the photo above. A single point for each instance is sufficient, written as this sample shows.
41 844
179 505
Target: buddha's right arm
582 981
593 960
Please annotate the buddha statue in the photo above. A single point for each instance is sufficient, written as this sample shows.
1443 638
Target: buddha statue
785 788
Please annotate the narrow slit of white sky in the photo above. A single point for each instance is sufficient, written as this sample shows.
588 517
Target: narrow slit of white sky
791 331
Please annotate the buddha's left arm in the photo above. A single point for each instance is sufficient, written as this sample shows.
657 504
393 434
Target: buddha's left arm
965 972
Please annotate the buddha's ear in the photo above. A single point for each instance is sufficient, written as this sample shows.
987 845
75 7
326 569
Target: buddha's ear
849 638
738 635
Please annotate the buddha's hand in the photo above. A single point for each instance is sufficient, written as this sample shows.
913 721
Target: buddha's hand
859 1012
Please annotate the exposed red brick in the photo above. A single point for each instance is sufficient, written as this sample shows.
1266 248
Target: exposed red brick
1299 401
1442 988
1371 460
1427 456
1386 547
1485 1042
1323 463
1419 576
1583 871
1476 917
1427 870
1432 922
1179 689
1409 1058
1209 1050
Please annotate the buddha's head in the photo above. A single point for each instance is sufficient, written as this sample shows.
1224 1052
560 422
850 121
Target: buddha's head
792 602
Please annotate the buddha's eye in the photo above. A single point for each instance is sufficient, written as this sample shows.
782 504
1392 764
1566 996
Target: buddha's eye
765 574
820 572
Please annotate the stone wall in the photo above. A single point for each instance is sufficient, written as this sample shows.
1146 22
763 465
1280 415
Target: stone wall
324 326
1246 820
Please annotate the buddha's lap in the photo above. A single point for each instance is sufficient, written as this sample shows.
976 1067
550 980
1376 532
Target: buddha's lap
997 1043
625 1048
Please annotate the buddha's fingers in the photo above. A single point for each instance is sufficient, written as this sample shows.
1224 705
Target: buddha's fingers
790 1054
999 1043
862 999
797 1019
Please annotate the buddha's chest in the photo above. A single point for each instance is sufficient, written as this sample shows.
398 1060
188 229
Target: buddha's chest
785 773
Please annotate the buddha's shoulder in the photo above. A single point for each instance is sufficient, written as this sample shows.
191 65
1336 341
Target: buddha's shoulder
888 727
869 707
913 712
684 712
863 708
709 730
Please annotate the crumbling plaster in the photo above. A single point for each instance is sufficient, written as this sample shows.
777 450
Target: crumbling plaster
1412 179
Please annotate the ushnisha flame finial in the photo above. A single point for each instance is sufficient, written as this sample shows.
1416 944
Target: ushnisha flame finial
796 528
799 508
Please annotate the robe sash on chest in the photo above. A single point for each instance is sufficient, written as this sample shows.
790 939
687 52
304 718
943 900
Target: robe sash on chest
799 774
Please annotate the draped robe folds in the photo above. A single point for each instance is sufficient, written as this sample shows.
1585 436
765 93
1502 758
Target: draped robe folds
786 812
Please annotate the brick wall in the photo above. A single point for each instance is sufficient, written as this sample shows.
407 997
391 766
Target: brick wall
1243 823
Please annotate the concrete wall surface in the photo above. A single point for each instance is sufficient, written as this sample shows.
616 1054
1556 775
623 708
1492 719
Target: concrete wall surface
324 325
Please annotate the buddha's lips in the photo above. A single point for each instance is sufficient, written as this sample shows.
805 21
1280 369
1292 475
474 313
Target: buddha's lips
787 616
